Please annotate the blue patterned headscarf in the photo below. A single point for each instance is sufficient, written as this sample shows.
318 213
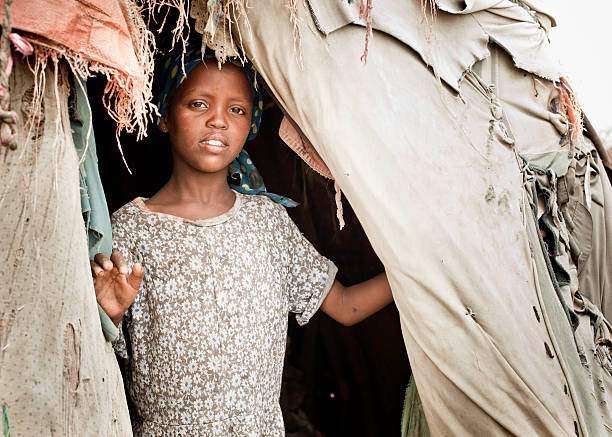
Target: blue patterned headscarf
242 170
249 181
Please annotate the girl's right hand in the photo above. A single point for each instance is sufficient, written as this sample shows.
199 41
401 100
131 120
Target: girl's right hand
115 286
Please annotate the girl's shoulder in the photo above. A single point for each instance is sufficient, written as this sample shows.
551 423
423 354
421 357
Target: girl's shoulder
268 216
128 212
262 204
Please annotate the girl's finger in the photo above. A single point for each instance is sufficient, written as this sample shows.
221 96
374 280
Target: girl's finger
96 270
136 276
103 261
119 262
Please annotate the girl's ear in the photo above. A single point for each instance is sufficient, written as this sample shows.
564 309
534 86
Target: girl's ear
163 122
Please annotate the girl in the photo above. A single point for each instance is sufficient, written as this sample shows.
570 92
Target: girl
214 273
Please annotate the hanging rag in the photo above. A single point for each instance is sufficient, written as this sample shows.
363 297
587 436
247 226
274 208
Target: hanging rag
290 136
93 202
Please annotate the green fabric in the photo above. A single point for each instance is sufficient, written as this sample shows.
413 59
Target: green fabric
5 422
111 332
93 201
558 162
414 423
559 323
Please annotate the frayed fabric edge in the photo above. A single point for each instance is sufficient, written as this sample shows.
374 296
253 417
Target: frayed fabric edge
572 107
339 210
128 95
213 20
127 98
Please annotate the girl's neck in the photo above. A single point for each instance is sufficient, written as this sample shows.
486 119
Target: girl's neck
198 187
194 195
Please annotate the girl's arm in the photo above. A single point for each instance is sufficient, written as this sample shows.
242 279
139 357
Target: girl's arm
350 305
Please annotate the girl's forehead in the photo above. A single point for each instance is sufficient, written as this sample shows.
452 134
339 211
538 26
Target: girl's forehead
207 75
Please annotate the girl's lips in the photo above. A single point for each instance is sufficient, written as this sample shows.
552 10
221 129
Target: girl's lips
213 146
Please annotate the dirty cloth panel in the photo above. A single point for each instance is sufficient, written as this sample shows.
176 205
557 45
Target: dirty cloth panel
539 126
58 374
444 279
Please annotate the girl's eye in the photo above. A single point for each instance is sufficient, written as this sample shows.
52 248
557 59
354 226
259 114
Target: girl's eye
198 104
237 110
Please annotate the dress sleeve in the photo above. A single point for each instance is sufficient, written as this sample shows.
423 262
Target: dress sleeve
123 242
310 275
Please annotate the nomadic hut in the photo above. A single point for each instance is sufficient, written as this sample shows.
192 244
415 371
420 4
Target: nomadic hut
448 127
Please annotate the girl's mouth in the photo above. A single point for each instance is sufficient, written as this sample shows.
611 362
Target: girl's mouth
213 146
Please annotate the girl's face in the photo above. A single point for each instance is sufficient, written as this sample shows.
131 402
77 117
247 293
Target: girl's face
209 118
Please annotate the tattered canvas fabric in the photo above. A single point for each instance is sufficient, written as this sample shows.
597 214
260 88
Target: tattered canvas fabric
106 36
436 180
93 202
585 198
58 375
574 214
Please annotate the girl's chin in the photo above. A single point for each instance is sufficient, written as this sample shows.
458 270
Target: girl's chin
213 167
208 163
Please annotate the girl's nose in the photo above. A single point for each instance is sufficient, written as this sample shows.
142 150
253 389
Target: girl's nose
217 118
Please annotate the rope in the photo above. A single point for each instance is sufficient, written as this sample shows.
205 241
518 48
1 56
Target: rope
8 118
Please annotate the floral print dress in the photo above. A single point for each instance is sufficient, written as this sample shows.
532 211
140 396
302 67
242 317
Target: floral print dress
205 337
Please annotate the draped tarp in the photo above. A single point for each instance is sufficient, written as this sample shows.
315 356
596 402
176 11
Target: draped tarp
97 30
58 375
436 181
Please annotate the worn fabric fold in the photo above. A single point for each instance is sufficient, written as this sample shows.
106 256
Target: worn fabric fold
58 372
93 201
458 32
443 208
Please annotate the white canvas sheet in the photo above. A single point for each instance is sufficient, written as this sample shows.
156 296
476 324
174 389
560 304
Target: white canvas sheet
435 182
